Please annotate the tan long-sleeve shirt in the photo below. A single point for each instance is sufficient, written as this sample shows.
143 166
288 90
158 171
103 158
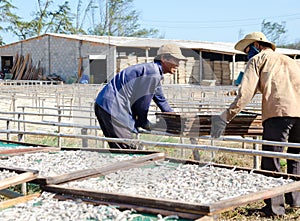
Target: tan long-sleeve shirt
277 78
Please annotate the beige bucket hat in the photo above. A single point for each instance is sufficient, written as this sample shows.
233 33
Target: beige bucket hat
250 38
171 49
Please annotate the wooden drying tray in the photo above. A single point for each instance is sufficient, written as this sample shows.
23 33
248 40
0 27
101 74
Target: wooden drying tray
7 152
22 177
146 156
111 150
22 143
26 148
185 210
199 125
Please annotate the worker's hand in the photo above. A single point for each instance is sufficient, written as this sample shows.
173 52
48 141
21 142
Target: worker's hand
218 126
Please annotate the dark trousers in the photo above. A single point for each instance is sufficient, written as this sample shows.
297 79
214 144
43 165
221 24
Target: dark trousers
111 128
281 129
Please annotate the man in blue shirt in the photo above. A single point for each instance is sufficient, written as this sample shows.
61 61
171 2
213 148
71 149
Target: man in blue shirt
122 105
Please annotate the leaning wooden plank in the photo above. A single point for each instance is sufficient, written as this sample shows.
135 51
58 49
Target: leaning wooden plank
15 180
27 74
27 70
39 74
79 69
15 65
101 170
33 74
22 199
19 68
23 67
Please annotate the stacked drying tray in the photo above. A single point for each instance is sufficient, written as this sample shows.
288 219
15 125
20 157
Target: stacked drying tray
244 124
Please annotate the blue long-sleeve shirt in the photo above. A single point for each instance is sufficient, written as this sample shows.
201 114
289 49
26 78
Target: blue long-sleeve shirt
128 95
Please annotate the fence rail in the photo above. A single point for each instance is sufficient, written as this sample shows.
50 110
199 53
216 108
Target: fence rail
66 111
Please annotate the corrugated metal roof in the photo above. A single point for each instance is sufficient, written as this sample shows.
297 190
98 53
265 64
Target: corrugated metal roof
219 47
154 42
287 51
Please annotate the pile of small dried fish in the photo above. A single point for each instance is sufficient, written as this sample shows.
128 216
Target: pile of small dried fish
47 208
4 174
188 183
56 163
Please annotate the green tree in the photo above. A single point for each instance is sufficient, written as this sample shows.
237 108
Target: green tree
274 31
44 20
117 18
114 18
6 15
60 21
295 45
80 21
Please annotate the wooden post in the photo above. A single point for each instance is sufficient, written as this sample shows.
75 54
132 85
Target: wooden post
195 151
24 125
200 67
212 143
20 136
181 149
43 110
7 128
13 103
24 188
92 114
243 143
58 127
233 69
85 142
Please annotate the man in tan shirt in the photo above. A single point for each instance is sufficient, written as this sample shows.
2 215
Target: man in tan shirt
277 78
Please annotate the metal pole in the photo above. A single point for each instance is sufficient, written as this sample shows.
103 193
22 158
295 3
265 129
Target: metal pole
233 69
200 67
255 158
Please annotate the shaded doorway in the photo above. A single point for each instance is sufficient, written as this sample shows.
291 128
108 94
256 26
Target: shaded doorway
98 69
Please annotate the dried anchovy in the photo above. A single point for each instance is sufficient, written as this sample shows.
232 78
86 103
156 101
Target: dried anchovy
188 183
56 163
4 174
47 208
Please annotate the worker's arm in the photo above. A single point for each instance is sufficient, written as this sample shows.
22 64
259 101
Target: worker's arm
161 101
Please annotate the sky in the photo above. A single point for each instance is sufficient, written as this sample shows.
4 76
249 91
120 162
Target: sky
201 20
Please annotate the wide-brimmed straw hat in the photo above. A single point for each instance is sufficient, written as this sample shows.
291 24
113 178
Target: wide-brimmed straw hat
171 49
250 38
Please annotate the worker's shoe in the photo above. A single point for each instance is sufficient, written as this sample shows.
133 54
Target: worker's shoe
268 212
292 208
265 212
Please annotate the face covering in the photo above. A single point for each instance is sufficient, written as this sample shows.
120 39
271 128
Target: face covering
252 52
